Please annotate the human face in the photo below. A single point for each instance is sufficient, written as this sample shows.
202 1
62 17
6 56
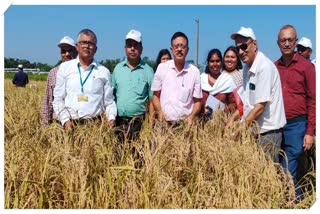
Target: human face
179 48
287 41
67 52
230 61
165 58
86 47
133 50
247 49
303 51
214 64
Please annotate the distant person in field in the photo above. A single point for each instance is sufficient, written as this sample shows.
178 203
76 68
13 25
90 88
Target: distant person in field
298 80
83 88
67 52
20 78
176 85
131 81
163 56
262 95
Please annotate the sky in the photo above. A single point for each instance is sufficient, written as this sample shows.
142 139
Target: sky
32 32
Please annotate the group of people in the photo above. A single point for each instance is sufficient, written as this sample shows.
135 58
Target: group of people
279 96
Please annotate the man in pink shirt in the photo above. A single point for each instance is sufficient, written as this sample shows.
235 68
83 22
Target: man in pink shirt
176 85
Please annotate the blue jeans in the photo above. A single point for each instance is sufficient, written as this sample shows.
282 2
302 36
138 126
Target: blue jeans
292 144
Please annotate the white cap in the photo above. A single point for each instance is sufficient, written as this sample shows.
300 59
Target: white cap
66 40
246 32
135 35
305 42
20 66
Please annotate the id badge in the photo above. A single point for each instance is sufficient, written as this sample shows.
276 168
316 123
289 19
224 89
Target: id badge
82 98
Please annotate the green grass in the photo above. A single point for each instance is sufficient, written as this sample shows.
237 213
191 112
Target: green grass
31 76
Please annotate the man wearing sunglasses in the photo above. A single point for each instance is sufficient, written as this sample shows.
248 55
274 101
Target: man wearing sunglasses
262 95
298 82
67 52
304 48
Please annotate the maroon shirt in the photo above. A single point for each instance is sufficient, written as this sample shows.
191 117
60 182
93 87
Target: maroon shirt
298 82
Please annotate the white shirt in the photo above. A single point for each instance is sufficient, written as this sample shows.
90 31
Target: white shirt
261 83
97 89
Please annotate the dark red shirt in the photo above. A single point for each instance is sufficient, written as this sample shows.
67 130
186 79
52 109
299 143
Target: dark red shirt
298 82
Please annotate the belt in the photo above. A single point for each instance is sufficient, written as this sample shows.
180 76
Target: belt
297 119
272 132
82 121
128 119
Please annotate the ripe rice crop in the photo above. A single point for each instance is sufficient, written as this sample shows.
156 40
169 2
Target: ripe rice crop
166 168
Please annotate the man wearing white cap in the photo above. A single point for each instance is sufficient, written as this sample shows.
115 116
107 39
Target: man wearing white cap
304 47
298 81
131 81
262 97
67 52
20 78
83 90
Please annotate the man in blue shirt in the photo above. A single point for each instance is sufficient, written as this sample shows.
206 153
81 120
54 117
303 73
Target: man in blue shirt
20 78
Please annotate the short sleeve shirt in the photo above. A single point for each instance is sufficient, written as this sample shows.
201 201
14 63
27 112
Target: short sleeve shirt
132 88
177 89
262 84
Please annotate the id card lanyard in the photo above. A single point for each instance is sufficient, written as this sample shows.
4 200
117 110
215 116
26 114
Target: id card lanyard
82 83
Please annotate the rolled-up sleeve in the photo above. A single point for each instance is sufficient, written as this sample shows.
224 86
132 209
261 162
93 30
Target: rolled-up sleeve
197 92
110 105
59 94
157 80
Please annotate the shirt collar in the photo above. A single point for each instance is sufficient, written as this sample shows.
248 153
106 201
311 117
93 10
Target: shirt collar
294 59
93 63
140 65
185 67
256 62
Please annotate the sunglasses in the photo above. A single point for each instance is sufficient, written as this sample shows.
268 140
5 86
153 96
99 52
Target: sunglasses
301 48
63 51
243 46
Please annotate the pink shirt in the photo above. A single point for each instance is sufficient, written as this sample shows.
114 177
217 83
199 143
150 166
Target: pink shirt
177 89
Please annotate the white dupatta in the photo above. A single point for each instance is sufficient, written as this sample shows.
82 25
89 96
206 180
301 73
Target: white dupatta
224 84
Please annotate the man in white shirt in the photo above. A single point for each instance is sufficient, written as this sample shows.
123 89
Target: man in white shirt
262 97
83 87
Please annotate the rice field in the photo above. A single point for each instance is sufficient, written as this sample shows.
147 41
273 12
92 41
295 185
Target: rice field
166 168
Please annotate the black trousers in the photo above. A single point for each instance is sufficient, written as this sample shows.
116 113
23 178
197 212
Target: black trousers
128 127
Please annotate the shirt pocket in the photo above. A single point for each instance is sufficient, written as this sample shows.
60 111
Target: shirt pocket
97 85
252 97
184 96
140 87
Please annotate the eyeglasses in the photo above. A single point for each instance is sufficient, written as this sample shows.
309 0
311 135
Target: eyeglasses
301 48
85 43
135 45
176 47
290 40
243 46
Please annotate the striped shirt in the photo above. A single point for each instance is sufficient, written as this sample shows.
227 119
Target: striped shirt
47 114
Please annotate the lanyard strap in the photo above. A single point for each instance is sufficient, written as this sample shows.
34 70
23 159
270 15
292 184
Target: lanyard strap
82 83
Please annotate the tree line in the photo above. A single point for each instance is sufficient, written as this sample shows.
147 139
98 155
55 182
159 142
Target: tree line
109 63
